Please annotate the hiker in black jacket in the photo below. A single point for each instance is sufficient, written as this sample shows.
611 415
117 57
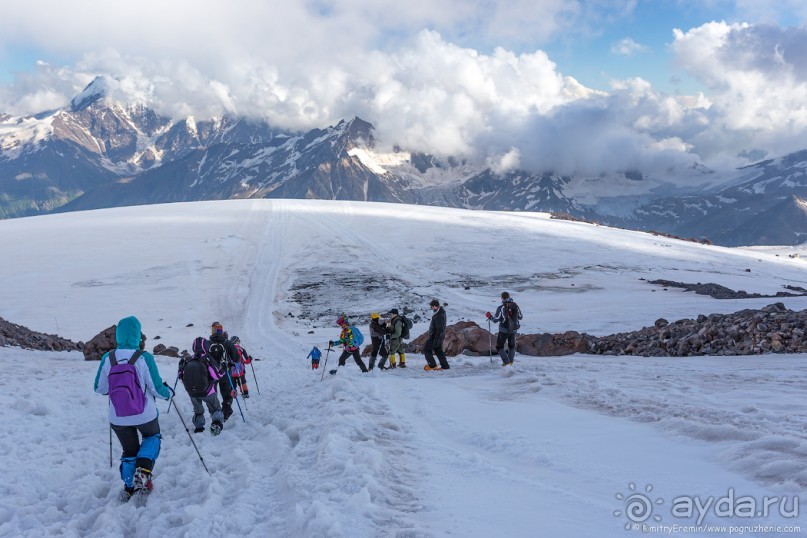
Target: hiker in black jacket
225 359
508 316
437 333
378 334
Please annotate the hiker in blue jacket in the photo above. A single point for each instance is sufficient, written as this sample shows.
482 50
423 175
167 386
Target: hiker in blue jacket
314 355
130 377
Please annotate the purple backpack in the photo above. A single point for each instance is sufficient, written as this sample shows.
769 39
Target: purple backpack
127 396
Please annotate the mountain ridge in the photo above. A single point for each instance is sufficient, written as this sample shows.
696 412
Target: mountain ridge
102 153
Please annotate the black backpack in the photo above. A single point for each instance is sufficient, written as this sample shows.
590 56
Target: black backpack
406 324
511 312
196 378
217 352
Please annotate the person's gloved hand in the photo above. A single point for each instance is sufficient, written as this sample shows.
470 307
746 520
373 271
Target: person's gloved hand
488 315
330 343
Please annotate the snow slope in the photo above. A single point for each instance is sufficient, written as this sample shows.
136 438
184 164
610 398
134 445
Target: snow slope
538 450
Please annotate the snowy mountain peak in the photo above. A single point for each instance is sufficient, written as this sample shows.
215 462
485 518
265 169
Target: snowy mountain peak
93 92
357 132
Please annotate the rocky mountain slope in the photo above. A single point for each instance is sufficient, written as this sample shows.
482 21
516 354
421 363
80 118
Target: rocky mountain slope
100 153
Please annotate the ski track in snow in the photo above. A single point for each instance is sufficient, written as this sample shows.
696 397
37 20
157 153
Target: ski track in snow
538 449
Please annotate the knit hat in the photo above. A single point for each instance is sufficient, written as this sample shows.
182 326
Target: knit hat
374 315
394 311
216 328
342 320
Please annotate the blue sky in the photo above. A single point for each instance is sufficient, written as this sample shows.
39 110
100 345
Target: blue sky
582 50
576 85
592 60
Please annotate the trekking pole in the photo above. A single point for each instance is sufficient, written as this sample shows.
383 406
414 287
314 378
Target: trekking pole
324 366
110 444
254 377
189 434
172 395
232 387
490 343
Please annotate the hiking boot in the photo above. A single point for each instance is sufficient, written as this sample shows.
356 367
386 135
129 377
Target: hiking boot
393 365
126 494
402 365
200 429
216 428
142 480
431 368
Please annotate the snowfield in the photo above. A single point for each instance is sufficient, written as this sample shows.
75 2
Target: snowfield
558 446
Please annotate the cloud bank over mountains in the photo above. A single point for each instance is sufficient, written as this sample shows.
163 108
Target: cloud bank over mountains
306 65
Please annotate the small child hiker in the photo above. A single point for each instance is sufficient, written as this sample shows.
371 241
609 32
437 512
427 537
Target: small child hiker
314 355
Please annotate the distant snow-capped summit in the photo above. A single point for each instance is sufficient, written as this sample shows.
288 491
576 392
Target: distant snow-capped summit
93 92
102 153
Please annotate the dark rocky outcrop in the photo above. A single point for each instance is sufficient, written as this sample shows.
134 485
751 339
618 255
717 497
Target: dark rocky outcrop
104 342
553 345
12 334
773 329
465 336
716 291
168 351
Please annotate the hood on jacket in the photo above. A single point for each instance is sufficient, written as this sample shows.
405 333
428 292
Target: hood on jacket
127 333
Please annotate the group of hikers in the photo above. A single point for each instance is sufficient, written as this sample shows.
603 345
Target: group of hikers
129 375
388 334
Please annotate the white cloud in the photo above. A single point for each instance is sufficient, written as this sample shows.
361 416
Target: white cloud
429 95
757 76
628 47
501 164
301 65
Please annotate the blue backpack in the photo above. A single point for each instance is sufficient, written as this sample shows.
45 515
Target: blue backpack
358 337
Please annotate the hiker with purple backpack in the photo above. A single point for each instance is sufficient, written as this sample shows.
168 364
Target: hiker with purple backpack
130 377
